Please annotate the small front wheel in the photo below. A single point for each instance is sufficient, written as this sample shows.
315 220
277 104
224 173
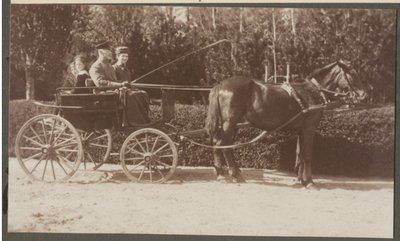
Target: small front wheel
149 155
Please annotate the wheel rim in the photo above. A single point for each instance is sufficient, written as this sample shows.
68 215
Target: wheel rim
48 148
97 148
149 155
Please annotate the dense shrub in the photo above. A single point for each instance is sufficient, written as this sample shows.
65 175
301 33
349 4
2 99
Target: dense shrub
359 142
20 112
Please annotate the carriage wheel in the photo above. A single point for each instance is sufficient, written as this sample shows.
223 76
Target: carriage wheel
48 148
97 148
149 155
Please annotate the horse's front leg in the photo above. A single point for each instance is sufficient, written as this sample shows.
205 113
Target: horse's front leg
304 156
299 165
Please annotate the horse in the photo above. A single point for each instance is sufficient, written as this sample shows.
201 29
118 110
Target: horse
267 107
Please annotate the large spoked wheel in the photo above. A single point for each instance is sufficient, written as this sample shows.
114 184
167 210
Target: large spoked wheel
49 148
97 148
149 155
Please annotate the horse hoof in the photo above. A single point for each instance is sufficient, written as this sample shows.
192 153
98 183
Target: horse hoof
311 186
238 179
221 178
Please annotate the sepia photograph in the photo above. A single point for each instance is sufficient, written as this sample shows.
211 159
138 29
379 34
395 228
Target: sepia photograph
229 121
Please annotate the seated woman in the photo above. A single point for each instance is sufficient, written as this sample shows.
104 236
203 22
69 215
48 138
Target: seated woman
77 75
136 102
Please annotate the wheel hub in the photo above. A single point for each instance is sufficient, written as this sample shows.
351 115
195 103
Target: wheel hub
148 157
49 150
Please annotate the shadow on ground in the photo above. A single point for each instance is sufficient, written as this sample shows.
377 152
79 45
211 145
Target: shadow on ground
261 177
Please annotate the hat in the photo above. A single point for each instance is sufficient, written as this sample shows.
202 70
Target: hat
103 45
122 50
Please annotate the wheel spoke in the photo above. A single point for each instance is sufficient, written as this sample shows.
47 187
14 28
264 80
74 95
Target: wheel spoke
40 160
58 162
151 174
139 144
68 150
36 134
69 155
133 158
44 132
33 156
52 167
33 141
84 161
136 166
65 162
154 144
66 145
30 148
136 152
164 164
141 174
61 132
147 142
165 156
159 149
52 131
65 141
90 157
96 138
45 167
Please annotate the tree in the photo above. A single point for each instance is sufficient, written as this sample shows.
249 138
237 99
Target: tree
39 39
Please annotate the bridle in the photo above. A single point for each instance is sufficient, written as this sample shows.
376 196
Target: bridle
335 93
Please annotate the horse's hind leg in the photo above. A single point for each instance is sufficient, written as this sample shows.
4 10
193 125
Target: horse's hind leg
218 160
227 139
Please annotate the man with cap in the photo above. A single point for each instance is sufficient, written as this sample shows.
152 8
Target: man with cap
102 72
121 70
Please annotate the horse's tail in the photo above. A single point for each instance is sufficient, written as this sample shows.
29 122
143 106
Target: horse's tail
213 115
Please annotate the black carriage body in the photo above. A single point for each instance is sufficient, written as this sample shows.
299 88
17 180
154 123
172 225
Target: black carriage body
90 112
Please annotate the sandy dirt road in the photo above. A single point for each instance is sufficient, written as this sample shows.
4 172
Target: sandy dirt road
268 204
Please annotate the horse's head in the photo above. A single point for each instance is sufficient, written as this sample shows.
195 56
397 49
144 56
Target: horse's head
340 79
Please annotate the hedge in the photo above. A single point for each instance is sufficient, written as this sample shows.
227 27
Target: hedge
351 143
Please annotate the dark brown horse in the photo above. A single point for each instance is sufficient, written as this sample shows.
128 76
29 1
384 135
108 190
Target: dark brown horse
267 107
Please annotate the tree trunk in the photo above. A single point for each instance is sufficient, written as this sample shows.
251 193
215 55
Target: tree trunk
167 105
293 24
30 83
213 18
241 21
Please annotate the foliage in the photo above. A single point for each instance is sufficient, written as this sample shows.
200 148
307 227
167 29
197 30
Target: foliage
40 37
305 38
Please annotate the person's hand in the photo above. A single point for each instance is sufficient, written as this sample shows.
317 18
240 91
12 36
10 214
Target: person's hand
126 84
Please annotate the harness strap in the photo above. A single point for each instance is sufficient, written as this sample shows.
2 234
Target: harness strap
292 92
315 82
257 138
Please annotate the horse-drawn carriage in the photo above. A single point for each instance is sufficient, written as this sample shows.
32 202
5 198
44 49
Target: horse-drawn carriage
51 147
